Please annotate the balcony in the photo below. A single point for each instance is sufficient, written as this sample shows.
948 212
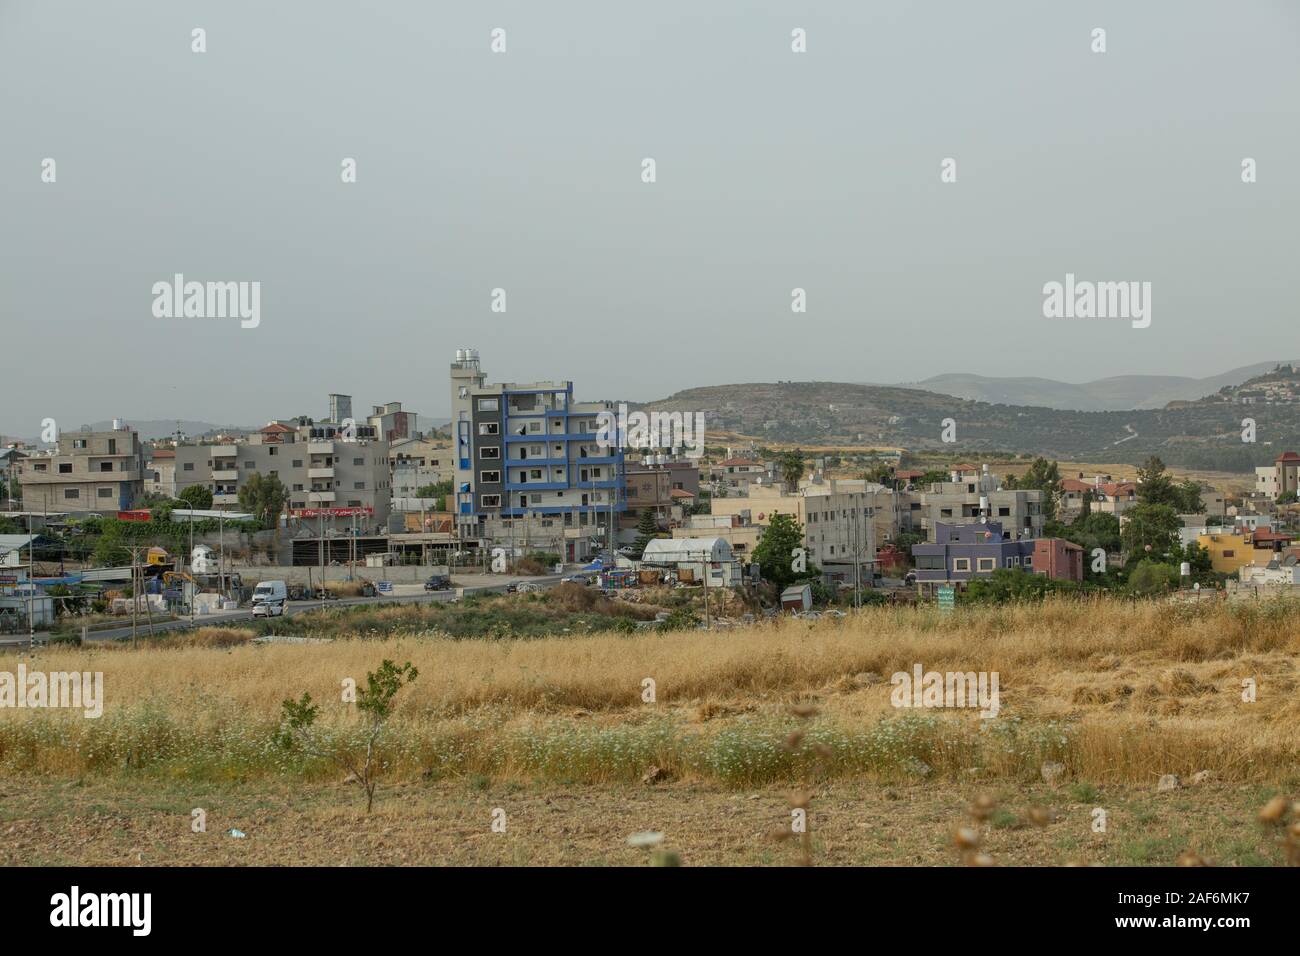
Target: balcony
225 474
321 497
320 472
225 499
224 451
320 447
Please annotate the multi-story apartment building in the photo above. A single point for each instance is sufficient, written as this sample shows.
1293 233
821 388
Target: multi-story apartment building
329 472
1281 477
972 497
86 472
662 485
531 471
841 518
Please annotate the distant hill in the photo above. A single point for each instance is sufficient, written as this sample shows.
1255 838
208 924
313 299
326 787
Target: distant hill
166 428
1205 434
1102 395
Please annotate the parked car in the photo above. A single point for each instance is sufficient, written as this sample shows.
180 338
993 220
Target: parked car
583 579
269 598
512 587
368 589
438 582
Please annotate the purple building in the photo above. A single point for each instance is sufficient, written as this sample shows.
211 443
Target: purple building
963 552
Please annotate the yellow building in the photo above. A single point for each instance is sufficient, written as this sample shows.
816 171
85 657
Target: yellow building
1228 552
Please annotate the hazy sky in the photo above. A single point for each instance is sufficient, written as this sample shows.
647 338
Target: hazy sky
522 171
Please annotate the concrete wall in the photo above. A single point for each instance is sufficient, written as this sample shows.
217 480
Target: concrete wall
398 574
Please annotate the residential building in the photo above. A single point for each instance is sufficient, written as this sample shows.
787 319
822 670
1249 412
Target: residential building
1281 571
1228 552
1268 544
667 487
86 472
970 497
160 472
1059 559
1279 478
391 423
733 477
531 468
841 518
964 552
329 471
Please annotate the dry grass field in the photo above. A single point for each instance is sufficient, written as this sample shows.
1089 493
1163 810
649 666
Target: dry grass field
1118 694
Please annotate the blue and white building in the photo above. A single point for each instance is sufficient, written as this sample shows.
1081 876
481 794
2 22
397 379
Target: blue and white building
531 472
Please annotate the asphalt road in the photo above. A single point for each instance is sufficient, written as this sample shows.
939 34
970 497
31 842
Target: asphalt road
291 608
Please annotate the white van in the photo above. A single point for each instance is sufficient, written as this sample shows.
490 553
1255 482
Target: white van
269 598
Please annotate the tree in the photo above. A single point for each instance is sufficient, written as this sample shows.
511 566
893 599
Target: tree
1187 498
374 703
791 465
647 529
1153 577
198 497
1155 487
264 497
1150 529
1202 565
438 489
775 553
1043 476
1085 509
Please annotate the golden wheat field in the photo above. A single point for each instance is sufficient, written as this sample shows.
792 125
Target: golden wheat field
1112 696
1115 691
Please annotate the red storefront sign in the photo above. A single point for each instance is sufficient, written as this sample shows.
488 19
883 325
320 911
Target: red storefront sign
136 514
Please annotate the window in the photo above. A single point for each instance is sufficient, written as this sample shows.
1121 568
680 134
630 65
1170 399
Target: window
1011 561
1004 512
250 465
489 453
488 405
107 465
489 428
358 461
272 450
297 463
490 477
1229 553
945 512
358 486
961 564
71 493
78 443
986 564
65 468
104 492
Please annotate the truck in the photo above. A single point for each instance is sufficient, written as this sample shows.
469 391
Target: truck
269 598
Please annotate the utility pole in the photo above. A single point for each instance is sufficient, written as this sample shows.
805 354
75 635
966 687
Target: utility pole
194 585
31 587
